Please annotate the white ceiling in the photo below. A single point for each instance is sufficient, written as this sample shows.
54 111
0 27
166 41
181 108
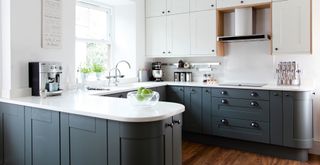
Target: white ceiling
112 2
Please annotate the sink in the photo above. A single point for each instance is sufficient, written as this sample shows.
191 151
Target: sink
98 89
243 84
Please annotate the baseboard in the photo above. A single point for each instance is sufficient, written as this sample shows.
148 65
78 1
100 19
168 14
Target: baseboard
316 148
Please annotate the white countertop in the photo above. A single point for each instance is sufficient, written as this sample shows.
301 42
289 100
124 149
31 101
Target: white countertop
90 103
134 86
116 109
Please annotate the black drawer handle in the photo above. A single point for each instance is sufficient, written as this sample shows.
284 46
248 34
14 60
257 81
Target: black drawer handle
169 125
181 89
224 101
254 94
176 121
254 104
224 122
254 125
207 91
224 92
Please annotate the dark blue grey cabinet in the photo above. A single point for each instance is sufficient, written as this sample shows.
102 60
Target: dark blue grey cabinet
276 118
297 120
83 140
162 92
206 111
12 135
192 117
175 94
42 137
154 143
118 95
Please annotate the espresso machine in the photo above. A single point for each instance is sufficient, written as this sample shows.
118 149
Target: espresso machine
45 78
157 72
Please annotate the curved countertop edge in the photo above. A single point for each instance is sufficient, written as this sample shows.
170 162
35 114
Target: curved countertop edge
180 109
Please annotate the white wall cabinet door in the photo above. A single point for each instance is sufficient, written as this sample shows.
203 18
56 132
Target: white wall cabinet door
199 5
203 33
291 27
177 6
156 8
178 35
234 3
156 40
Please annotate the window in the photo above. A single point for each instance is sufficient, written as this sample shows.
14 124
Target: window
93 35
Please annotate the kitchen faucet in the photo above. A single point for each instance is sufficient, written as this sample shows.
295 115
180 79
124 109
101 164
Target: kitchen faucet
116 71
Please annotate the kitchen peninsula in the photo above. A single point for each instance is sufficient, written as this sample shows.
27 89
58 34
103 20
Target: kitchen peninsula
82 129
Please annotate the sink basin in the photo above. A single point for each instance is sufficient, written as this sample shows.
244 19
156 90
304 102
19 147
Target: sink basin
243 84
98 89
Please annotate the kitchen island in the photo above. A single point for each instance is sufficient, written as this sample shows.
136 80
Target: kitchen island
77 128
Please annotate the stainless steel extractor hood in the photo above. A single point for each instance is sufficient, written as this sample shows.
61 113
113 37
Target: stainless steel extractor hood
244 28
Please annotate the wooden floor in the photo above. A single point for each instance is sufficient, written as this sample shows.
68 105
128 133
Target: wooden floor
198 154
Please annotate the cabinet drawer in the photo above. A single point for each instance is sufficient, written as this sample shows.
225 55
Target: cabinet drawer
235 3
241 129
241 109
240 93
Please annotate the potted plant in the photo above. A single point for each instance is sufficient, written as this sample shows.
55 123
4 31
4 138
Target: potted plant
98 69
85 71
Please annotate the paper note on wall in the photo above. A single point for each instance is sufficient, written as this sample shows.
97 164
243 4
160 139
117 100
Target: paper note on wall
51 24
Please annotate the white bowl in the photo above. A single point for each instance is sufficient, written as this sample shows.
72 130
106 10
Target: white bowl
143 100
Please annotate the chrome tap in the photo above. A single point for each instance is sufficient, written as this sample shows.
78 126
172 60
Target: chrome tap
116 71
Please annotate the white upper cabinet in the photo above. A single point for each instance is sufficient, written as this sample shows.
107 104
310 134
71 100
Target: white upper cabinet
291 26
203 33
177 6
156 8
156 40
235 3
178 35
199 5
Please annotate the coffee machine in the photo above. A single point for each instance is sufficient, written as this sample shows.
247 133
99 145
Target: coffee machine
157 72
45 78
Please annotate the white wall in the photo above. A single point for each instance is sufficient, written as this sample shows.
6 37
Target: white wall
129 37
26 43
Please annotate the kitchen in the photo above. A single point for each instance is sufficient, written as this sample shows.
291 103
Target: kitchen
183 36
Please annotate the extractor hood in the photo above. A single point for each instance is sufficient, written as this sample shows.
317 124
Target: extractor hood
244 28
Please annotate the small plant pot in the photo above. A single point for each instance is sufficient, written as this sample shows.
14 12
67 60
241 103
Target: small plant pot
99 75
84 77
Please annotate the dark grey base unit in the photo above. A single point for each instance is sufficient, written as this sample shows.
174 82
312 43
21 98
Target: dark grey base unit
33 136
280 119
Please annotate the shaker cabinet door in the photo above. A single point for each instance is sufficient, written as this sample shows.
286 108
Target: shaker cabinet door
42 137
291 27
156 8
203 33
199 5
177 6
156 40
178 35
192 117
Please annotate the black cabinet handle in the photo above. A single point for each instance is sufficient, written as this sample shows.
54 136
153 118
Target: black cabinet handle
276 49
212 50
254 125
181 89
163 52
275 94
254 104
176 121
287 95
223 101
169 52
169 11
207 91
163 12
169 125
224 122
212 5
241 1
254 94
224 92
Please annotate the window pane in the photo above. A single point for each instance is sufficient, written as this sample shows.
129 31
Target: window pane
91 23
89 53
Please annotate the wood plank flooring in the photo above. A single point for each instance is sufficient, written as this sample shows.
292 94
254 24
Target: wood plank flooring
198 154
